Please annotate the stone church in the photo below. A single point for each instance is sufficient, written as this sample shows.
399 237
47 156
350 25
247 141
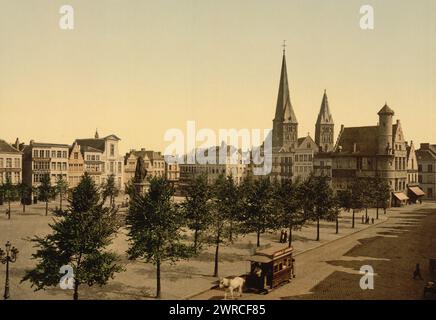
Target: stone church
293 157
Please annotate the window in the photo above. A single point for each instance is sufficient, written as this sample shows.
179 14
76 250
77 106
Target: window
430 168
119 167
64 154
76 155
53 154
1 162
17 163
41 153
8 162
420 167
59 154
430 192
112 150
47 153
35 153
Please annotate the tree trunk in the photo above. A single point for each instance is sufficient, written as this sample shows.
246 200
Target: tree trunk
337 225
195 240
24 206
258 238
215 270
60 201
231 231
76 290
377 212
317 229
46 208
9 209
366 214
290 236
352 226
384 210
158 287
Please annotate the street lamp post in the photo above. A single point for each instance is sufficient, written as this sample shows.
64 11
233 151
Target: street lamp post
10 256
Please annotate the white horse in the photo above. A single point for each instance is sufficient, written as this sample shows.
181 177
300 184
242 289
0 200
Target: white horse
231 284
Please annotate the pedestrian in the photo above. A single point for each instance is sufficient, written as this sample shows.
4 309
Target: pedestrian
281 236
363 219
293 268
372 220
285 237
417 272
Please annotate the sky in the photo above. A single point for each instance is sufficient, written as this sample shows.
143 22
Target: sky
136 68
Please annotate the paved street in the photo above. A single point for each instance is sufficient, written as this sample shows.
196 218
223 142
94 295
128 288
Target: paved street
391 248
325 269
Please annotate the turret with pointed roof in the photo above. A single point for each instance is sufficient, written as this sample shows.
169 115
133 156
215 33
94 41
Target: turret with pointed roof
285 124
324 127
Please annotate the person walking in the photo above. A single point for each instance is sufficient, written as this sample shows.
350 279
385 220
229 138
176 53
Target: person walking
417 272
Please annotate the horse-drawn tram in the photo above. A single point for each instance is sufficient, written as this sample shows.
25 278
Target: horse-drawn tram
270 268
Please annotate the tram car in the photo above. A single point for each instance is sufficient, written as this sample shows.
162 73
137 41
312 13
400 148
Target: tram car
270 268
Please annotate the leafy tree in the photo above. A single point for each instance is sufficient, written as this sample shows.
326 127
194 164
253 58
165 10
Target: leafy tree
24 191
80 235
259 206
289 199
61 189
110 190
9 192
319 202
197 208
45 191
154 226
357 198
369 191
382 193
345 201
221 214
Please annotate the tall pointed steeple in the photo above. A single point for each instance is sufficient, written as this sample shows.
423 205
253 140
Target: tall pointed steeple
324 127
285 124
324 116
284 109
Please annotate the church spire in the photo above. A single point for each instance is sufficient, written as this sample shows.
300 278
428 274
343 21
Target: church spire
324 116
284 109
324 127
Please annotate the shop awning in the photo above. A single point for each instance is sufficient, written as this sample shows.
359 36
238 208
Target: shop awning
401 196
417 191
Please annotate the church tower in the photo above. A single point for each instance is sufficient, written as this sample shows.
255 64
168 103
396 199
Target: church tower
285 124
324 127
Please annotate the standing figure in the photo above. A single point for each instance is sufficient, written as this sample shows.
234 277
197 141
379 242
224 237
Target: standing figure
417 272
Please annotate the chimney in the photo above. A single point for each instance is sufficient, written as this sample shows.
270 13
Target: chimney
31 142
354 147
17 144
142 149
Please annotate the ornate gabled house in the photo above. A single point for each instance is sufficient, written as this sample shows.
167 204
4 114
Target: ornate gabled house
414 191
372 151
111 161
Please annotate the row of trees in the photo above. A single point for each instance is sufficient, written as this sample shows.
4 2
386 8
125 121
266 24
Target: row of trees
159 229
46 191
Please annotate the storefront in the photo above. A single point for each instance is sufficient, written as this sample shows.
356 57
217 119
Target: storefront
415 194
399 199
